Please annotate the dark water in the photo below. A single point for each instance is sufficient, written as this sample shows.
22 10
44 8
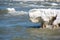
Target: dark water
19 27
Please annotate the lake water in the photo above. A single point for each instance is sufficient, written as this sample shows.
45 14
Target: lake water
17 26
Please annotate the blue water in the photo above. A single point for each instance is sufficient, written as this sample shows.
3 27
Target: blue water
15 27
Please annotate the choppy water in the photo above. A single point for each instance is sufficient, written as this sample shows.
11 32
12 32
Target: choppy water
17 26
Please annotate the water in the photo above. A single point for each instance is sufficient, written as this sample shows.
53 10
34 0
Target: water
17 26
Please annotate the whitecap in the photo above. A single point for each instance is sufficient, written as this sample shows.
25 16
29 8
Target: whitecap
17 13
10 10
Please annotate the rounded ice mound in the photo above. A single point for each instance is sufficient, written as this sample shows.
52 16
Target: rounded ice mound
10 10
49 17
45 14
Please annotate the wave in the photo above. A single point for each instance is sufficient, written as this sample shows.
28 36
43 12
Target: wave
7 10
38 4
12 12
16 13
54 4
32 5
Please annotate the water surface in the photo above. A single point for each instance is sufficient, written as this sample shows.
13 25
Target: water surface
17 26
